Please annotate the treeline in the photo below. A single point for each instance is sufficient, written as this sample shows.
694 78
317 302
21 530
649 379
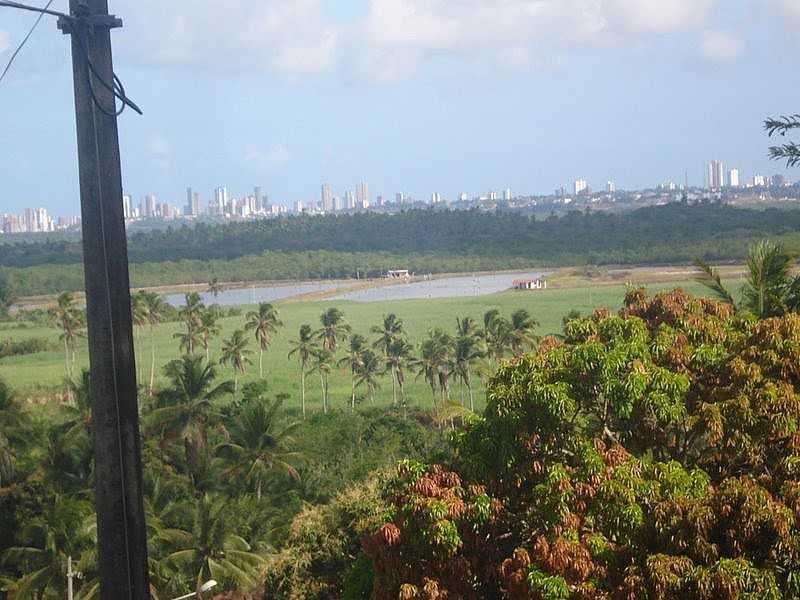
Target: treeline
576 237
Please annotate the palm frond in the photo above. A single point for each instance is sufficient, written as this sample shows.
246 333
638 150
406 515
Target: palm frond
710 278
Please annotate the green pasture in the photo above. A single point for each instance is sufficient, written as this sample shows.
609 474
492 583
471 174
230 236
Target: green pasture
38 376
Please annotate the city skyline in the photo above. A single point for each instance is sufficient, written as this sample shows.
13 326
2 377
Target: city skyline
222 203
410 93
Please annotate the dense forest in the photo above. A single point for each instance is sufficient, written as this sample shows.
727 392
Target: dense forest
587 235
422 241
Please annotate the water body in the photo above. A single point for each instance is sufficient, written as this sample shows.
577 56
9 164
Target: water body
450 287
256 295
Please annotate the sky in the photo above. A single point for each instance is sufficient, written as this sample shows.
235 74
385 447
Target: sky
417 96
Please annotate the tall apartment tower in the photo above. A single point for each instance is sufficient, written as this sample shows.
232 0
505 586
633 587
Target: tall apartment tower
126 206
733 178
716 175
362 195
326 198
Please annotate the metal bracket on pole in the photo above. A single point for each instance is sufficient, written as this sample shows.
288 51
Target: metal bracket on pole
93 21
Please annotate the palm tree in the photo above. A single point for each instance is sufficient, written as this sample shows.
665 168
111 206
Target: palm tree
235 353
468 349
304 347
323 364
435 363
265 323
391 334
496 331
139 317
368 372
70 320
155 311
12 420
522 333
191 314
208 330
258 446
770 289
215 287
212 551
391 329
333 329
59 531
398 357
186 409
353 361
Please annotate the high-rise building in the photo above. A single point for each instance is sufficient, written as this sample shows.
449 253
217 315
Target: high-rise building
611 187
259 199
126 206
221 200
326 198
399 198
298 207
716 175
580 186
507 194
759 181
362 195
436 198
349 200
463 197
733 178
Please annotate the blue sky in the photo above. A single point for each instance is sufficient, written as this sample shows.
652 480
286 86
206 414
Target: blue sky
409 95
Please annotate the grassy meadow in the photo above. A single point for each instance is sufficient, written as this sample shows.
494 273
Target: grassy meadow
39 376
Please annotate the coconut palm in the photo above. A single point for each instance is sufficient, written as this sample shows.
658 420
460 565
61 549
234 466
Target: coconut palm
191 314
399 355
187 408
304 348
235 353
770 289
522 332
369 369
264 323
13 434
323 364
353 361
391 329
139 317
70 320
211 550
59 531
333 329
155 310
215 287
258 445
495 333
208 329
435 363
469 348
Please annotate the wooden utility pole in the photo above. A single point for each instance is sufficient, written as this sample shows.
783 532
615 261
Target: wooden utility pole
121 534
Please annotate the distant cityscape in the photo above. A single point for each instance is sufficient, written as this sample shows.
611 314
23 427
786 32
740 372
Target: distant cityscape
721 185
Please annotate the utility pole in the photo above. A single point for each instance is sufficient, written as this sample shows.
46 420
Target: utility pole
121 534
70 575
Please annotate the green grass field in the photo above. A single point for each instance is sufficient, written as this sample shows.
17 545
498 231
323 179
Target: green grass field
38 376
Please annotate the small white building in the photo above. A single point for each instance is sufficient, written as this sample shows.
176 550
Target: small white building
398 274
530 284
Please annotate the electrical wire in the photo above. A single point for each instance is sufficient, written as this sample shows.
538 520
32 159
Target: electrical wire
42 13
115 87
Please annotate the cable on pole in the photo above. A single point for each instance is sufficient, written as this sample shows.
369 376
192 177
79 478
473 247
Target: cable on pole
78 26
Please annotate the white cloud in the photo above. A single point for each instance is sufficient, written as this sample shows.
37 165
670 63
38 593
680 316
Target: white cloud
791 8
4 41
273 157
398 35
719 46
281 35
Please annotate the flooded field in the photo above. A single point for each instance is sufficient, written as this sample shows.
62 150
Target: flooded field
451 287
258 294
